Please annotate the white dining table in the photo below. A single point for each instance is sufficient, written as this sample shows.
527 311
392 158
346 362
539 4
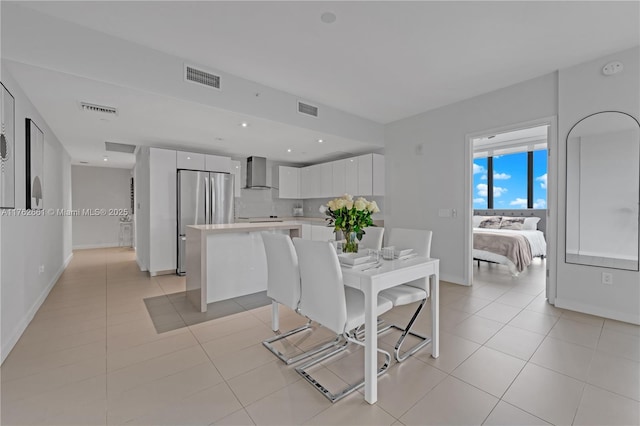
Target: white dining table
390 274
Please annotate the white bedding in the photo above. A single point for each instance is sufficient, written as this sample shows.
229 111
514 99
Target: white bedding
536 239
496 258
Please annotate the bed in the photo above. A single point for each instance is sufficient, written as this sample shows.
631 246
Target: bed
506 241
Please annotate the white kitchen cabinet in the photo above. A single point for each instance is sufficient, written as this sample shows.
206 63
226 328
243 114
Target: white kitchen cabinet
306 231
216 163
371 175
339 178
305 182
162 210
365 175
378 174
351 176
326 180
322 233
289 182
359 176
189 160
236 169
314 185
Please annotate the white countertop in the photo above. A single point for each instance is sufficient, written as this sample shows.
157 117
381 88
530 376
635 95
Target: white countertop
318 220
244 227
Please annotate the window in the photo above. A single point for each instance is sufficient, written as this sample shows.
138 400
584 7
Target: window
511 181
480 183
540 179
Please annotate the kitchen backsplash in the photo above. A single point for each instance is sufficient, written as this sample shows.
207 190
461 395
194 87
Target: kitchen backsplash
265 203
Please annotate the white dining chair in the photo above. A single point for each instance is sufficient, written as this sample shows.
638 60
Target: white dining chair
372 238
325 299
418 290
283 287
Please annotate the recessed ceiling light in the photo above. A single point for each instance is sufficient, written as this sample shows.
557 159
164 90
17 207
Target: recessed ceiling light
105 159
289 150
320 141
328 17
244 124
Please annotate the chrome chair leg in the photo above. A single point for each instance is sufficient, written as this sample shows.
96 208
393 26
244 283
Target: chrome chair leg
333 397
283 357
424 340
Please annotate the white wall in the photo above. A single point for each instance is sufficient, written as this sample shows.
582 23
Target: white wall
584 90
99 188
417 185
29 243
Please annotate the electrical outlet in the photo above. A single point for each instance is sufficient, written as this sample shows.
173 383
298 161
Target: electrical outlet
41 269
607 278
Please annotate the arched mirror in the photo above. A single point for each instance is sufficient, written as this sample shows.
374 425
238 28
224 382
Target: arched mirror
603 191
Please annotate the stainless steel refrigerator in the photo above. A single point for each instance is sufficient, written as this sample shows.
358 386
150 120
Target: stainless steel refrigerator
203 198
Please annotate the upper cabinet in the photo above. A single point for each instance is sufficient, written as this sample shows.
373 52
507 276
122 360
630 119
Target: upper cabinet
216 163
351 175
289 182
326 180
339 177
378 174
190 160
370 174
358 176
197 161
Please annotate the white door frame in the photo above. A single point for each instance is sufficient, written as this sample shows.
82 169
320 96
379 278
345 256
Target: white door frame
552 196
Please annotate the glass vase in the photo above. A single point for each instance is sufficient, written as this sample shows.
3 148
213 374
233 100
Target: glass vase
351 244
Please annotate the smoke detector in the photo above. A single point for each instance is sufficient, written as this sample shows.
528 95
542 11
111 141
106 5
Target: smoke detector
612 68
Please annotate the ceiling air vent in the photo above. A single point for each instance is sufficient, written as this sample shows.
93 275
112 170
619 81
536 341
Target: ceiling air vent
195 75
307 109
98 108
119 147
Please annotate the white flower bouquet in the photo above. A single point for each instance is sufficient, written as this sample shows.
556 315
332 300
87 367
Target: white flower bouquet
350 217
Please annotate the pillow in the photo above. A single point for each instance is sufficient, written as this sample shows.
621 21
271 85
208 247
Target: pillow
491 222
512 223
531 223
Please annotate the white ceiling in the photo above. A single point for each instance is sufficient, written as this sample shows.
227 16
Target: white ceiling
379 60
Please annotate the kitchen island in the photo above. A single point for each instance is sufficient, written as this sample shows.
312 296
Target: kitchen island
228 260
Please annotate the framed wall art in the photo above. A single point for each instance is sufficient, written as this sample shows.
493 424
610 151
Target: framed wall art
7 150
35 165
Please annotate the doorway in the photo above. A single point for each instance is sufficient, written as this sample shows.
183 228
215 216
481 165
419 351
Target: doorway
510 187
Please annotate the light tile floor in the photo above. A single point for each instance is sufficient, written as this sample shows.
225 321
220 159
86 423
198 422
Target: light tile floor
111 345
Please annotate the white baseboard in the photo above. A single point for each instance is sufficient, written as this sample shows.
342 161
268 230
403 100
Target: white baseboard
22 326
95 246
595 310
140 265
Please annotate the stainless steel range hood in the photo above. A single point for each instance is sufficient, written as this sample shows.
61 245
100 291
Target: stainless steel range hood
257 173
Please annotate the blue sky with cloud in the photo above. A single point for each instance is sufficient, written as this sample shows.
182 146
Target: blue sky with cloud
510 181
